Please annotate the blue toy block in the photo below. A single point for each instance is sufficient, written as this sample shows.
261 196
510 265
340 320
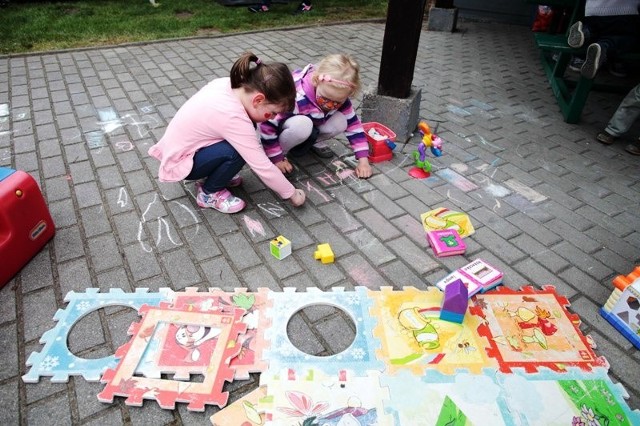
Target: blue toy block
451 316
454 302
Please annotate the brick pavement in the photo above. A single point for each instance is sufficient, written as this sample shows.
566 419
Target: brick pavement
550 205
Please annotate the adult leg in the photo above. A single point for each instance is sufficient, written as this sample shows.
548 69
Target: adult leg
218 164
626 114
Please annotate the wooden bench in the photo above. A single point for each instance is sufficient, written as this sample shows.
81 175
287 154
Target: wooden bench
571 93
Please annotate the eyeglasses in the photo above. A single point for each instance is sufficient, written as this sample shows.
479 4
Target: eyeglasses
328 104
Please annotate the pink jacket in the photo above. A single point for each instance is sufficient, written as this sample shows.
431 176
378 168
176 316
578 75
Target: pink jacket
214 114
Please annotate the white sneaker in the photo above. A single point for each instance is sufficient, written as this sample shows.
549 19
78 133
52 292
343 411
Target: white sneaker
223 201
593 61
576 35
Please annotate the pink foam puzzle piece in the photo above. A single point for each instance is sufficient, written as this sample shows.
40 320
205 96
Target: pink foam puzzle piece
253 342
532 328
122 380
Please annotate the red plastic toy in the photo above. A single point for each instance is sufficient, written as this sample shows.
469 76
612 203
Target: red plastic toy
25 222
381 141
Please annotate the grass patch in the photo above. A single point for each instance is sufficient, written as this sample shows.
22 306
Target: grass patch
41 26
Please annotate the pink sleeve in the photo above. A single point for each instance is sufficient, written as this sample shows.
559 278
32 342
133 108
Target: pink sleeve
242 136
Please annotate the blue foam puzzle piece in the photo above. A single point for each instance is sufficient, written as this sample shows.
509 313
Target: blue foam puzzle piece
358 357
55 360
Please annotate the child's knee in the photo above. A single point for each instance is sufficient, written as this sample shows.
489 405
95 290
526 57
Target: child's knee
296 129
334 126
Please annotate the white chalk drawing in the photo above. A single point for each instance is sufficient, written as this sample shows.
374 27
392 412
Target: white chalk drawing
109 121
95 139
191 213
458 111
164 228
161 221
254 226
525 191
4 113
4 118
123 197
457 180
273 209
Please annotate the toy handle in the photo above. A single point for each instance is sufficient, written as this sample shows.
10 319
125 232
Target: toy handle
424 127
390 144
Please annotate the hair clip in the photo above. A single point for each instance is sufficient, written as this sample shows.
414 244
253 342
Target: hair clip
328 78
258 61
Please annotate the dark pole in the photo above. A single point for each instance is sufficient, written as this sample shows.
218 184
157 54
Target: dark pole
400 47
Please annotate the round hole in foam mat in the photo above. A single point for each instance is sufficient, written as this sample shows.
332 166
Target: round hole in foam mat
86 339
321 330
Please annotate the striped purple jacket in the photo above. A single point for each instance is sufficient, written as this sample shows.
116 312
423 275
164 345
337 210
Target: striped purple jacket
305 105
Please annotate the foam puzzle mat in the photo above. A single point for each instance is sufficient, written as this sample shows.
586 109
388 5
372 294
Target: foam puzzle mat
405 366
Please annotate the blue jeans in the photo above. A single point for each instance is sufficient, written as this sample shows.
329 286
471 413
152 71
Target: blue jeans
218 163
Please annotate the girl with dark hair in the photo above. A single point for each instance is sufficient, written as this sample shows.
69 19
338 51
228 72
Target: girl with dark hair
213 134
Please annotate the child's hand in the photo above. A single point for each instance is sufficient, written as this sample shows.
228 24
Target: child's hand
363 170
284 166
298 197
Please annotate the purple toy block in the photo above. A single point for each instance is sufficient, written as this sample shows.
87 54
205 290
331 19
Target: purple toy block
454 302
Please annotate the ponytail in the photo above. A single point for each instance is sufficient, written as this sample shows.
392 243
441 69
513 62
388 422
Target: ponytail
274 80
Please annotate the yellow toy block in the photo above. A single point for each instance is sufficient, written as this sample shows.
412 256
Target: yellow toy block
324 253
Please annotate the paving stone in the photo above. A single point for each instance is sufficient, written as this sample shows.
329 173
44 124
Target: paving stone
9 343
181 269
377 224
9 396
338 332
582 261
37 273
502 248
219 273
143 264
151 414
88 404
104 252
362 272
399 275
500 226
371 247
86 333
302 336
39 308
68 244
325 233
87 194
55 409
